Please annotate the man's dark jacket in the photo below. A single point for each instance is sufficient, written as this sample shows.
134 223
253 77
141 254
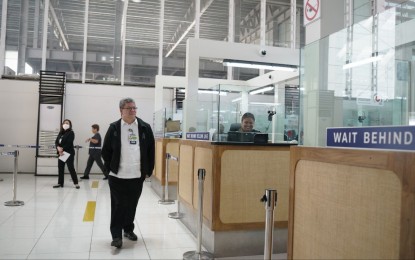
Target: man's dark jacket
111 149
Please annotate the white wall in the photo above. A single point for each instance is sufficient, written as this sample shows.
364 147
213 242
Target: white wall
84 105
18 122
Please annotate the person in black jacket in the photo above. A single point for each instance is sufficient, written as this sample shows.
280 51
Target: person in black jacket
128 152
64 144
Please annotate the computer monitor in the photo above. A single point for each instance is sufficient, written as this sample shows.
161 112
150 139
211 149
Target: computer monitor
247 137
261 138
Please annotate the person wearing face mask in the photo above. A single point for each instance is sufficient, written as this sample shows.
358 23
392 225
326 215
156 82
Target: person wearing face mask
64 143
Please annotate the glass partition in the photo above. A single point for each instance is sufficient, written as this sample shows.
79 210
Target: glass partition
159 119
164 126
359 76
219 111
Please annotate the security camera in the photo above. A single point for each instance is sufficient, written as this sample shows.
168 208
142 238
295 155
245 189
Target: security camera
263 52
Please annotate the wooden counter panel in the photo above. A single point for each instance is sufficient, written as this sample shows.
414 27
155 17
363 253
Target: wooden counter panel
159 163
186 174
173 149
203 160
245 174
351 204
339 205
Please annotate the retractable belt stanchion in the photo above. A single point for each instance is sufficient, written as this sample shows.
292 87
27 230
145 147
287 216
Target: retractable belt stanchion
165 200
177 214
14 202
270 199
77 156
199 254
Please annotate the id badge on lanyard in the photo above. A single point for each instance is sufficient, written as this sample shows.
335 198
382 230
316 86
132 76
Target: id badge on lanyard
132 137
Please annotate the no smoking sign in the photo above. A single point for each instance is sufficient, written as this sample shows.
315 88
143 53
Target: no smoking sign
311 11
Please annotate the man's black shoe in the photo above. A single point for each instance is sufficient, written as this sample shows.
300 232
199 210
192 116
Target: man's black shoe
105 178
84 178
117 242
130 235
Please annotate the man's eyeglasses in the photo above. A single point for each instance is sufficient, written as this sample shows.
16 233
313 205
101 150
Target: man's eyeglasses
130 108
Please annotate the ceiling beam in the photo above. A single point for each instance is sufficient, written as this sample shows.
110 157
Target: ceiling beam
182 30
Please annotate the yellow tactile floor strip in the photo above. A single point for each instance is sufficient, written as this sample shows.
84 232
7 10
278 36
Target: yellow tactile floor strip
90 211
94 184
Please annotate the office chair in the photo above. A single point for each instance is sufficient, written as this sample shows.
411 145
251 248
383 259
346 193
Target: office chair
234 127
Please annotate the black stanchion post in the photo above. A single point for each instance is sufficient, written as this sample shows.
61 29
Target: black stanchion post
15 202
199 254
270 199
177 214
165 200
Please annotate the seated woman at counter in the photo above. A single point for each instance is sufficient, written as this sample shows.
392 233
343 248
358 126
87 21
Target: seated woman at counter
246 131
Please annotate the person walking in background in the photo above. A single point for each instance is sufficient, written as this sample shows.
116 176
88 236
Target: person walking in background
66 151
128 152
94 153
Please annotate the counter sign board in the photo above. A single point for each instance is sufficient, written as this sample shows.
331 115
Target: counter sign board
197 135
311 11
379 137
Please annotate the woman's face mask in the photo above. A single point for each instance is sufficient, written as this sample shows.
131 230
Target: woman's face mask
65 126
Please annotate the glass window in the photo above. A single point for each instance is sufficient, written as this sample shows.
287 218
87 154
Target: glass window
141 51
104 41
362 78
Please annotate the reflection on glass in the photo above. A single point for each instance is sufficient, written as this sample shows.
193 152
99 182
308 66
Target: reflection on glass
363 79
219 111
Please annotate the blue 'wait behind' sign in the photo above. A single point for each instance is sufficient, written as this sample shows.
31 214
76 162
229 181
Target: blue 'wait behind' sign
379 137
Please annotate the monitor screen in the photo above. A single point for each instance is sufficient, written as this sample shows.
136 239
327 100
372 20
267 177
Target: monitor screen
241 137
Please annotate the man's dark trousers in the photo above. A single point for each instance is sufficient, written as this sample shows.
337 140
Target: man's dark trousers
125 194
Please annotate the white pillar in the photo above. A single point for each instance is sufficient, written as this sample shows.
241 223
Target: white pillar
231 32
3 36
86 16
45 33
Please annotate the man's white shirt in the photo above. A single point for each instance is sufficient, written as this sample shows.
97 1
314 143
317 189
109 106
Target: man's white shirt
130 152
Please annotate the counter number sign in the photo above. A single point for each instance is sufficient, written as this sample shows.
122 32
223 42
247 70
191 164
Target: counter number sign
311 11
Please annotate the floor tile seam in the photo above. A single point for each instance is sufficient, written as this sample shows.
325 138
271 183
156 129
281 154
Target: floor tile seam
51 219
93 224
18 207
142 238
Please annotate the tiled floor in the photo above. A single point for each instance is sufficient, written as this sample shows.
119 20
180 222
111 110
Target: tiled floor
50 224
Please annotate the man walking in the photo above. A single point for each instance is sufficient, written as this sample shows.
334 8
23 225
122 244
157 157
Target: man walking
94 153
128 153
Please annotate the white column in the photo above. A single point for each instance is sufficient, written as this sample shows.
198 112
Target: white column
158 91
263 26
161 37
3 36
197 18
293 18
231 32
36 24
123 36
45 33
85 49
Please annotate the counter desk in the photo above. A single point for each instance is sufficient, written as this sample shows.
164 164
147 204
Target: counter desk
163 146
237 175
351 204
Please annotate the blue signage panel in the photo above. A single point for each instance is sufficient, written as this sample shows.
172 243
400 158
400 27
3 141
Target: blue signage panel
379 137
198 135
